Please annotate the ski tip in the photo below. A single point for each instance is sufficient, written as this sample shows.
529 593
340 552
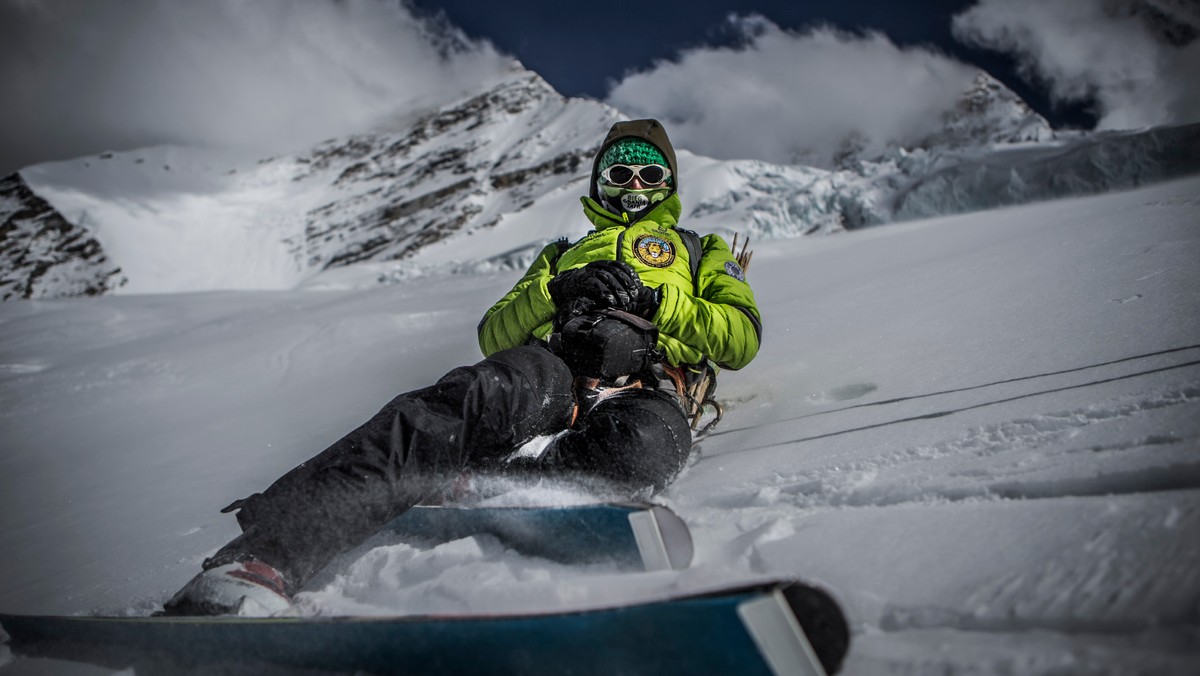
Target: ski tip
676 536
798 628
822 620
663 539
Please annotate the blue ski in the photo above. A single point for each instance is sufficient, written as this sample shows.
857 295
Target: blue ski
637 535
772 628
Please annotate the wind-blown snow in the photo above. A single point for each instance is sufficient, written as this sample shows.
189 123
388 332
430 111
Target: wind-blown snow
182 219
979 431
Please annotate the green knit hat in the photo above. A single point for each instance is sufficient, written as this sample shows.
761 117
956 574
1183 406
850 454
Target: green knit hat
631 151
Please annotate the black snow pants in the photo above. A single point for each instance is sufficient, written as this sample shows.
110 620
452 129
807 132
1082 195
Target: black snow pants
422 440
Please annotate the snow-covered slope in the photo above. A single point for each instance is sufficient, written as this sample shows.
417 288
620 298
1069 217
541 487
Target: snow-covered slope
481 183
980 431
180 219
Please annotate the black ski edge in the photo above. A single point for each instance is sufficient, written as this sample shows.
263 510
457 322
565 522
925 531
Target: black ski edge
716 592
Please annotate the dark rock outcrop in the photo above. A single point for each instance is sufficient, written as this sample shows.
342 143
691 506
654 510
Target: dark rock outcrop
42 254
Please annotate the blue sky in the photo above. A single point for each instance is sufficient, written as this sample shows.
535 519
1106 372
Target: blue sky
583 47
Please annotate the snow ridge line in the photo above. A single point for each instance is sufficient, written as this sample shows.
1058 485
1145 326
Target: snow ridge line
898 619
859 484
941 414
957 390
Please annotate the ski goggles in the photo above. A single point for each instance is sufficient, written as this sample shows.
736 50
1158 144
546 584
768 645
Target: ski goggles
623 174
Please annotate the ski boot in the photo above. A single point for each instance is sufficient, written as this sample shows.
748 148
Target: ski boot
248 588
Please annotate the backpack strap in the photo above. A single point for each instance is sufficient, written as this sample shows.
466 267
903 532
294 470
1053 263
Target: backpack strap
691 242
700 380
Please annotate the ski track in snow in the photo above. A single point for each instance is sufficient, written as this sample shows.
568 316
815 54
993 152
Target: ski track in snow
1119 596
1036 444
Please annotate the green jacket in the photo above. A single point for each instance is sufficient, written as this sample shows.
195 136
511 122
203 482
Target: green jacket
713 316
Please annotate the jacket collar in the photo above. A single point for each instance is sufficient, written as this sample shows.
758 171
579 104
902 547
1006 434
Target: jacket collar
666 213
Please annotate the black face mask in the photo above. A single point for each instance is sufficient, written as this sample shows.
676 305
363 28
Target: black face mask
630 203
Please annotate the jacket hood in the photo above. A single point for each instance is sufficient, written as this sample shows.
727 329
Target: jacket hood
647 130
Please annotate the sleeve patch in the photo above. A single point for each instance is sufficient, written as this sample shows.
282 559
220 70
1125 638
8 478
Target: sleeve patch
734 270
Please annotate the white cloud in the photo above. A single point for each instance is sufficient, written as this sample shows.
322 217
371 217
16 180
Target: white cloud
81 76
790 97
1137 59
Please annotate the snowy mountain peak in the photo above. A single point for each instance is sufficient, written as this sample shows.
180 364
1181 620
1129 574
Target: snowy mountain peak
989 113
513 96
456 170
985 113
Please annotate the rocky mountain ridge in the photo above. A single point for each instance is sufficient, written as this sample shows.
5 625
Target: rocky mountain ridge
43 254
484 181
458 169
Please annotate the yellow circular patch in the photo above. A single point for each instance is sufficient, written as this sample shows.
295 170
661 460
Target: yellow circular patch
654 251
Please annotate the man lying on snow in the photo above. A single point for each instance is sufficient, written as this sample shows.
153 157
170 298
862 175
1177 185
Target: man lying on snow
595 343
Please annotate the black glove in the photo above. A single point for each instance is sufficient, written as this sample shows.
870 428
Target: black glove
606 283
645 303
573 309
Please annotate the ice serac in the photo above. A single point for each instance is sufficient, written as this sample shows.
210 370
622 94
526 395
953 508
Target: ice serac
770 201
1080 166
42 254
